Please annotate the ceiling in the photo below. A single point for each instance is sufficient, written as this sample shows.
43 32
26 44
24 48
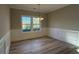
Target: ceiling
44 8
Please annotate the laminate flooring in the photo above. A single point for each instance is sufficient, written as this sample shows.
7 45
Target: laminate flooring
43 45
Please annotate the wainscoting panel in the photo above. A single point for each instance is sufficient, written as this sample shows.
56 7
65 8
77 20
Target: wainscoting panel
69 36
17 34
5 44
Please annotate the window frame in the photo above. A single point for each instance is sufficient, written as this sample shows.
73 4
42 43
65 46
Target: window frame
31 24
22 24
40 24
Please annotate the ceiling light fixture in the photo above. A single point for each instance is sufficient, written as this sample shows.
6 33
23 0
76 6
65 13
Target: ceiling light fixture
77 50
40 17
38 10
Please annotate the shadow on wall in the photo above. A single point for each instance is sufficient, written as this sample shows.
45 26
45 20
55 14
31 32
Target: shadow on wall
70 36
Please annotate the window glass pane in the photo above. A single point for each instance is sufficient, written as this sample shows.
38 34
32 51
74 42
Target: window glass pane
26 23
36 27
36 20
26 28
26 20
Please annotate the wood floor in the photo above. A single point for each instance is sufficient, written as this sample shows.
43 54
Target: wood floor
44 45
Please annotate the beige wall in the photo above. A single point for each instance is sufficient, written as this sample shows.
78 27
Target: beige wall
64 24
16 31
4 20
4 29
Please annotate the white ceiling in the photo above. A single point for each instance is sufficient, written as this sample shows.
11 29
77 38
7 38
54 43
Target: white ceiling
44 8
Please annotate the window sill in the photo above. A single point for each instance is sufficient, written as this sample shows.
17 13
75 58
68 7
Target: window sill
31 31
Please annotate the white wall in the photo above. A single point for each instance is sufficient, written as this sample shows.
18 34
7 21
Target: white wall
64 24
4 29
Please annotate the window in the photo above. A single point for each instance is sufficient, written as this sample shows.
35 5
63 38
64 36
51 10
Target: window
26 23
36 24
30 23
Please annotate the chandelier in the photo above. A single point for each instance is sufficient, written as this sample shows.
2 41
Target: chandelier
39 14
40 17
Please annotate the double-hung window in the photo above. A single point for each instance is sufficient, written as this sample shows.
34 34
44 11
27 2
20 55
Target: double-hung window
36 24
30 23
26 23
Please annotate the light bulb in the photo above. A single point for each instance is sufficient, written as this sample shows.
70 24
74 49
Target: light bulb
77 50
41 18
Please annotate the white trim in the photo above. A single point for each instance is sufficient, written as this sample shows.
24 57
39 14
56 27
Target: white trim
5 41
66 35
